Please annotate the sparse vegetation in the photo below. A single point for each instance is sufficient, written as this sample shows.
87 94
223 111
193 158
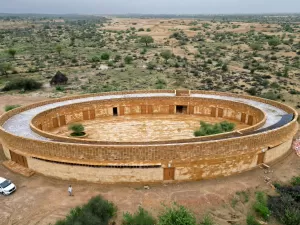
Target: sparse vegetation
10 107
176 214
217 128
23 84
236 62
286 207
141 217
260 206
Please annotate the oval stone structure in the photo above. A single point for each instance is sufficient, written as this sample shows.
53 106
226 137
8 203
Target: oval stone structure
264 134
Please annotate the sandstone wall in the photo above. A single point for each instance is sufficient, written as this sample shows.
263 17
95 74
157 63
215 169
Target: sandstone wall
44 122
95 174
192 160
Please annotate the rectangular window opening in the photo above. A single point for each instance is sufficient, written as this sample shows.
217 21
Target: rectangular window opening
181 109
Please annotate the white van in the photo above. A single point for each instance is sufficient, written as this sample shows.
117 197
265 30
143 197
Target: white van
6 186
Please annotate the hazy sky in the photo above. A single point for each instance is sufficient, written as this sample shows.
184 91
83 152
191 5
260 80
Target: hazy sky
149 6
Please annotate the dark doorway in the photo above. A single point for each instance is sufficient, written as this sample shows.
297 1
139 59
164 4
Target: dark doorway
181 109
115 111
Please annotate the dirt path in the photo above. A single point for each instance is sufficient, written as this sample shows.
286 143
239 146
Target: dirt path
41 200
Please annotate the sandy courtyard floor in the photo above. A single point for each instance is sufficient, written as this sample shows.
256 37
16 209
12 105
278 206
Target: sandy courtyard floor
144 127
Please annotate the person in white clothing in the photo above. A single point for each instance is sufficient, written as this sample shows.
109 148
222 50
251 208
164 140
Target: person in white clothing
70 189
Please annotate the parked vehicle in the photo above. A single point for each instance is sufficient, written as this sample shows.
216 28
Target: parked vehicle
6 186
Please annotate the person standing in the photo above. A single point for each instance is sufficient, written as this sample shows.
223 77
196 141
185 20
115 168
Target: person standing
70 190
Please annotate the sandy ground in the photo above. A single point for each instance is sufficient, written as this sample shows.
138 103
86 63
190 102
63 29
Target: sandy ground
18 100
144 127
41 200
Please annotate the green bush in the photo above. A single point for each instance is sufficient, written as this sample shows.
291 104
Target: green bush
270 95
251 220
176 214
151 65
160 83
105 56
260 206
96 212
128 59
225 67
26 84
77 128
59 88
207 220
141 217
296 181
252 91
10 107
262 210
210 129
95 58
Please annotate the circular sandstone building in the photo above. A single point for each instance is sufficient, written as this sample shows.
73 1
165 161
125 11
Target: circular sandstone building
147 136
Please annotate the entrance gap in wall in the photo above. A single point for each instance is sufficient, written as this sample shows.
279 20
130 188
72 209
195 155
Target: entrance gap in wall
115 111
261 158
181 109
21 160
169 173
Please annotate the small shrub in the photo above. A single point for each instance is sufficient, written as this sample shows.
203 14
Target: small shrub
252 91
59 88
117 58
105 56
77 128
225 68
270 95
207 220
262 210
176 214
151 66
295 181
294 92
128 59
160 83
141 217
26 84
96 58
260 206
10 107
251 220
273 57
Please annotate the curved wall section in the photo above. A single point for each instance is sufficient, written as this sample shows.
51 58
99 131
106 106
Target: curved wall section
64 115
148 162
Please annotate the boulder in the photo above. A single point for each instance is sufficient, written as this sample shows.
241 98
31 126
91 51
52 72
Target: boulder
59 78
